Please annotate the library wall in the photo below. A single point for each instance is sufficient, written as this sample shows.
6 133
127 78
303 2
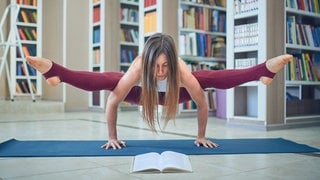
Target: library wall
3 78
76 51
52 43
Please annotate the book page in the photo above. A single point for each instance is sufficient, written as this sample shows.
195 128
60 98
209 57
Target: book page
173 162
148 162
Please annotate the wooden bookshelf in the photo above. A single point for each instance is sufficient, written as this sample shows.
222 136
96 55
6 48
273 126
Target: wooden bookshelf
29 25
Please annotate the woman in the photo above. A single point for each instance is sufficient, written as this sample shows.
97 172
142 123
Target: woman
139 85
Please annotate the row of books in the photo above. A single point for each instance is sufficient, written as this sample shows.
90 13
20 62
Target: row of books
210 98
96 98
22 70
302 34
204 19
197 44
27 50
27 16
27 33
96 14
305 5
127 55
221 3
244 6
246 35
129 35
150 22
195 66
96 35
304 67
148 3
23 88
129 15
27 2
96 56
242 63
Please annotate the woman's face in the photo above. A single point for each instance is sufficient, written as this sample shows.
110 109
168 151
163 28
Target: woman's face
162 67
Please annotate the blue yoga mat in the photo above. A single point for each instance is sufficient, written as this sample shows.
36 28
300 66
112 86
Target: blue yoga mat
77 148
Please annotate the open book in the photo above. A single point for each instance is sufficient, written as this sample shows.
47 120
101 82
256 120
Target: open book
167 161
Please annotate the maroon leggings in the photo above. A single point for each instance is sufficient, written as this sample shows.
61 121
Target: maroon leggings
220 79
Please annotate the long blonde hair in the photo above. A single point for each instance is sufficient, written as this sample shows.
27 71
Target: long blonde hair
156 45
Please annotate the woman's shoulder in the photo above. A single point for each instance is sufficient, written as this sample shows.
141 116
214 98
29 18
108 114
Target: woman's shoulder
183 67
135 67
137 61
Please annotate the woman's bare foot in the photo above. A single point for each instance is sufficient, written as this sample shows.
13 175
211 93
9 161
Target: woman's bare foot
43 65
274 65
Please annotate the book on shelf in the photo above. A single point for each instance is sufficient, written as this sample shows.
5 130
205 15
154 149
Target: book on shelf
304 67
148 3
96 14
302 34
241 6
129 15
27 16
96 35
150 22
27 2
127 55
198 44
220 3
96 56
167 161
202 18
242 63
246 35
96 98
27 34
129 35
304 5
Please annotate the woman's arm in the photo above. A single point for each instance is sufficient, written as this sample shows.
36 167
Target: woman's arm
197 94
129 79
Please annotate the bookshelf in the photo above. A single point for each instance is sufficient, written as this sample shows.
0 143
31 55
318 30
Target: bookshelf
251 40
29 24
129 32
129 39
302 76
103 32
157 16
96 47
202 37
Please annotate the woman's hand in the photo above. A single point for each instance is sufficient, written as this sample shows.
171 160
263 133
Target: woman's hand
114 144
205 142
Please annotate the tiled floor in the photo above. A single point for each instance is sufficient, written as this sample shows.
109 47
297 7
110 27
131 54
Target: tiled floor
91 125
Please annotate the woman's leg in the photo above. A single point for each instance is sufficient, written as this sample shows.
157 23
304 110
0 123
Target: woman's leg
225 79
86 80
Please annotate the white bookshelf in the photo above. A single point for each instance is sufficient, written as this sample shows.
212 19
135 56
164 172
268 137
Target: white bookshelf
29 25
96 47
303 92
129 39
197 21
129 32
163 19
250 36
